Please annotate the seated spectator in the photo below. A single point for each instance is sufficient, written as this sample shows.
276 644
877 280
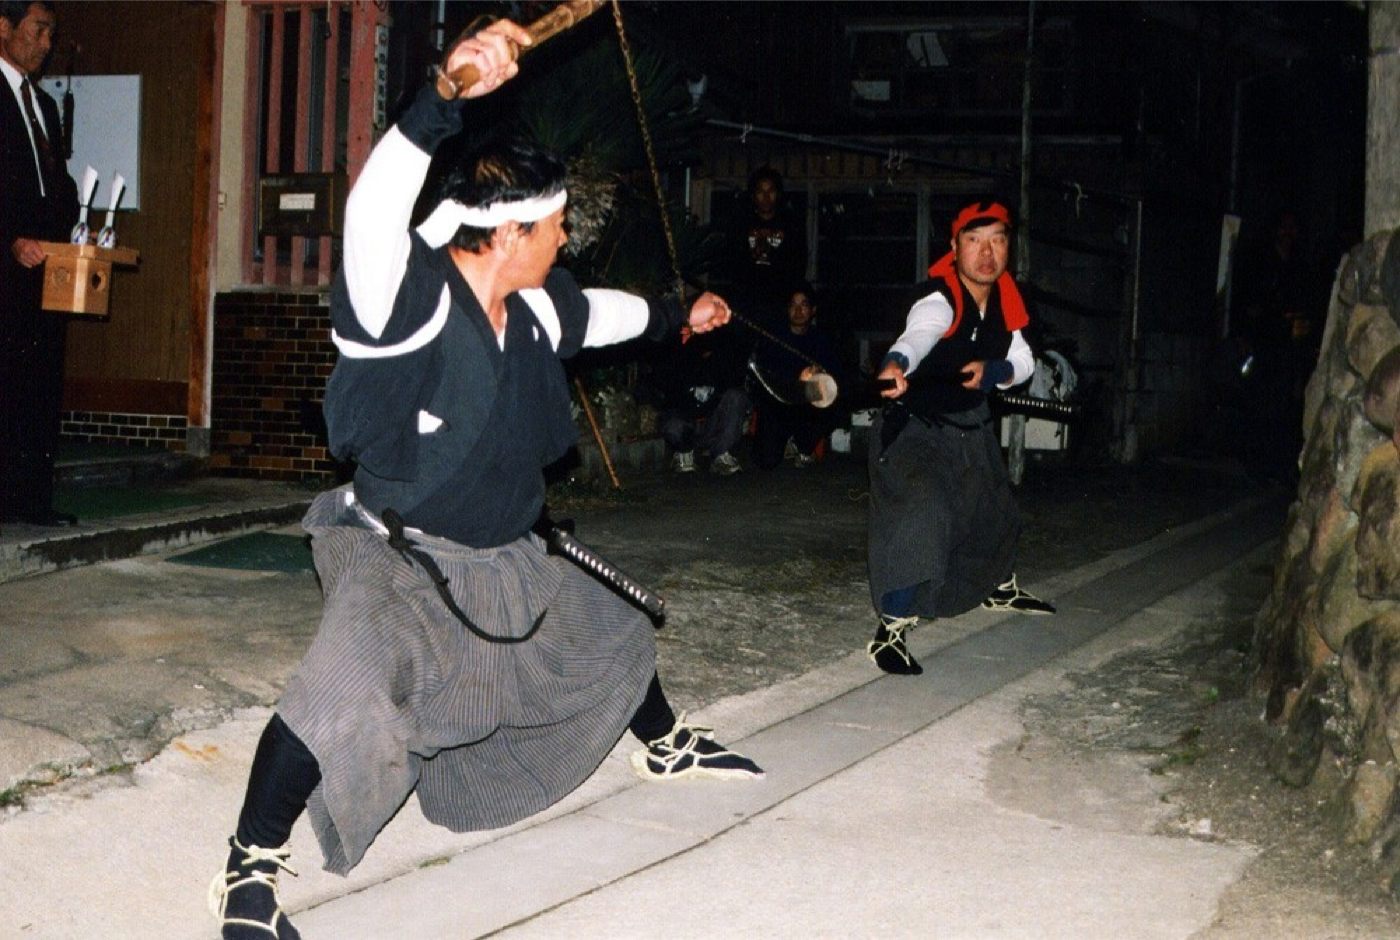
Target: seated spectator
704 407
794 395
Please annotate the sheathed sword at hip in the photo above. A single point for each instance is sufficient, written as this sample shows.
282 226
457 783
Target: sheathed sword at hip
561 540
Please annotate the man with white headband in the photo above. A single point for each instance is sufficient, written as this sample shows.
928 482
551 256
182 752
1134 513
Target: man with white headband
455 658
943 524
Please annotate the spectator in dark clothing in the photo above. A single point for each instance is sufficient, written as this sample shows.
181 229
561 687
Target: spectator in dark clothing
768 249
704 404
794 417
38 202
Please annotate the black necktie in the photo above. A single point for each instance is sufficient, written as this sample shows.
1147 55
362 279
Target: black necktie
41 140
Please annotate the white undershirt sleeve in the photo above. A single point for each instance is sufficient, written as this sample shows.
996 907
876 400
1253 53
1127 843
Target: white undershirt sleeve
1021 358
614 316
376 239
928 320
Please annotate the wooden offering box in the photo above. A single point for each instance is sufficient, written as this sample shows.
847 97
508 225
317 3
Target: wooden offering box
78 278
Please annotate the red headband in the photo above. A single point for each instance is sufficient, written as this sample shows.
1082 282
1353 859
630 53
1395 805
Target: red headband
990 211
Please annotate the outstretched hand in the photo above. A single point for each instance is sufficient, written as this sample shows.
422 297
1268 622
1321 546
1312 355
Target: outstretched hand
707 313
491 52
893 373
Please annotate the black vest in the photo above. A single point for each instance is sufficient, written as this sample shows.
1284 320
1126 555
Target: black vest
935 387
505 416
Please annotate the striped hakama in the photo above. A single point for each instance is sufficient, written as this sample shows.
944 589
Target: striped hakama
942 515
395 694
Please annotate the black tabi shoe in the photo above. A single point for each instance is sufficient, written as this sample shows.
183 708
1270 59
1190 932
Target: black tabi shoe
244 895
889 651
1009 596
691 751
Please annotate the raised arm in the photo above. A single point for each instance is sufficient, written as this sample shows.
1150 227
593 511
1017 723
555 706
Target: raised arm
377 242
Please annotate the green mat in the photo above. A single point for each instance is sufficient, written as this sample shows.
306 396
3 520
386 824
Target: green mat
257 551
104 502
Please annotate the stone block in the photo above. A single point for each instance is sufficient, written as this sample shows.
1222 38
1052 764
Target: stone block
1332 531
1354 441
1368 648
1370 665
1382 391
1318 462
1378 526
1335 608
1349 277
1294 756
1371 333
1368 266
1316 650
1371 791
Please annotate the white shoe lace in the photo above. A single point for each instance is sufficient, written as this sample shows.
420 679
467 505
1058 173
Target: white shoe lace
226 881
895 628
668 753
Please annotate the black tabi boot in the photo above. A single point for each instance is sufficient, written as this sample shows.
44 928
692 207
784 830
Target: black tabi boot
889 651
1009 596
244 896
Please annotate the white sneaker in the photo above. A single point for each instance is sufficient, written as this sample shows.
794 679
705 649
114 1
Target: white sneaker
725 465
683 461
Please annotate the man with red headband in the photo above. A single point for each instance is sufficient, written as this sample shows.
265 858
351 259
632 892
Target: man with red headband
943 523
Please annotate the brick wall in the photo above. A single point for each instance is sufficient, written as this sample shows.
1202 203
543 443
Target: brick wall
272 356
167 431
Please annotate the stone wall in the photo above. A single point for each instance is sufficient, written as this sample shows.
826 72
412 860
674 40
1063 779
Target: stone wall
1328 638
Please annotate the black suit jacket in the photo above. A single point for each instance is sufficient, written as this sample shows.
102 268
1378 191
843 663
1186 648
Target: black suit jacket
24 213
31 339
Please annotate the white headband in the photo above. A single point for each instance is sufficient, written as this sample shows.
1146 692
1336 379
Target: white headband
437 229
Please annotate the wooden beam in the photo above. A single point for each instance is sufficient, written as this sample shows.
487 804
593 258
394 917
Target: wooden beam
204 233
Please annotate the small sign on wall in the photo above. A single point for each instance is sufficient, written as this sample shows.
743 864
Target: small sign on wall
106 131
307 204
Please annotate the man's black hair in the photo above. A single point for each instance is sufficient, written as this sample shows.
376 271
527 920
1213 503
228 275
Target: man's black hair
804 288
16 10
502 171
766 172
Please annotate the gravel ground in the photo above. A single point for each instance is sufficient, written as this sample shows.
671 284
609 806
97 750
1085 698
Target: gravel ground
764 575
1184 708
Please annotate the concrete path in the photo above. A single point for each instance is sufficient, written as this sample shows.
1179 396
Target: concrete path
892 807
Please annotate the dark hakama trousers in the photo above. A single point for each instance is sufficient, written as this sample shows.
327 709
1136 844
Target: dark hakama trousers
395 694
942 515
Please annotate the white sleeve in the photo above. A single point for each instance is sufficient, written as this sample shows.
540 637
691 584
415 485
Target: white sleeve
376 239
614 316
928 320
1021 358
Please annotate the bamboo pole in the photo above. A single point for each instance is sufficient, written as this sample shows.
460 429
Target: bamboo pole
597 432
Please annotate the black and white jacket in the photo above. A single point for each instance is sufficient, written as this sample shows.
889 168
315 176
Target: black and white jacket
448 423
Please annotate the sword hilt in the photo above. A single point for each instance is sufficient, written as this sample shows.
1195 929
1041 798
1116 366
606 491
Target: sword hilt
607 572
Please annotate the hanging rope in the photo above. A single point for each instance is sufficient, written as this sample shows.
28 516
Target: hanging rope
645 126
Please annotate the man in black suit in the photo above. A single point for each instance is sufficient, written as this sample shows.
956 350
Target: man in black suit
38 201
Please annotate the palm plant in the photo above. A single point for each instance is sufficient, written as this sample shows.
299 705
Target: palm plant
582 109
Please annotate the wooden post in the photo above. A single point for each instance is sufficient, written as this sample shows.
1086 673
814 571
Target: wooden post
597 432
1016 430
1383 120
